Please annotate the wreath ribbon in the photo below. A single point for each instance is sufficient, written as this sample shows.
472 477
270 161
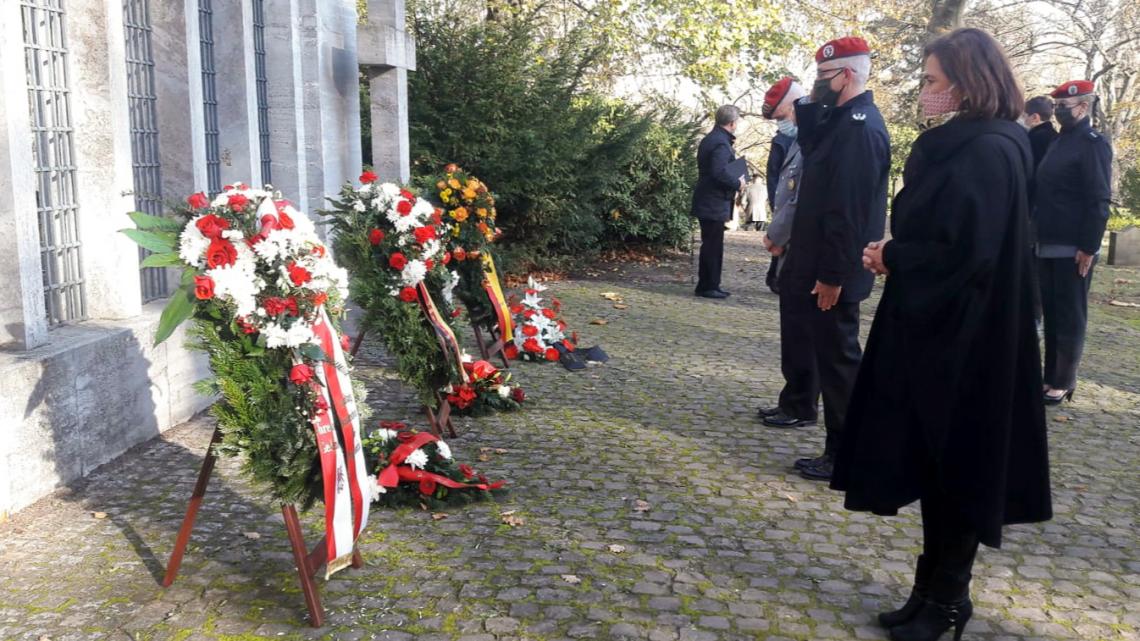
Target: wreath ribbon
494 291
397 471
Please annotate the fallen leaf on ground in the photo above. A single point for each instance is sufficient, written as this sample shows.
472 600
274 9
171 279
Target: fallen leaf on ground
99 515
599 321
492 450
641 506
613 296
510 518
615 548
439 516
251 535
571 579
791 498
1061 419
617 306
1120 303
1123 281
483 458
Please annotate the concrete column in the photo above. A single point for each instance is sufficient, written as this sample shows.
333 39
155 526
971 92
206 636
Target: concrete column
101 120
23 319
195 110
339 92
387 53
286 92
179 133
237 93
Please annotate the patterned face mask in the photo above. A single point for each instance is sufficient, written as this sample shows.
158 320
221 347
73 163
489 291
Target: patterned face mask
938 104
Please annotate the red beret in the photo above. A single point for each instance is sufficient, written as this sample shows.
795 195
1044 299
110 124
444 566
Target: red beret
774 95
1074 88
842 48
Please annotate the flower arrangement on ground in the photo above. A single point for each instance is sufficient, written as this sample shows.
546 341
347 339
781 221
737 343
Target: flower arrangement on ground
540 329
392 242
412 468
264 294
488 390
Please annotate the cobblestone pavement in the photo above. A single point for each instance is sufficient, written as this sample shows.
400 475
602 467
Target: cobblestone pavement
732 546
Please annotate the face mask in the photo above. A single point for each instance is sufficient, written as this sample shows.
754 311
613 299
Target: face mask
787 127
1064 115
936 104
822 92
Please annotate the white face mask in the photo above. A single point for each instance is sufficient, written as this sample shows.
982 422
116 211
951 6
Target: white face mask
787 127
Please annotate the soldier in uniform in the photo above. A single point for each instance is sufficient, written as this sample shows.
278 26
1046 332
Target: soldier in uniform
1070 209
713 198
799 399
777 154
841 208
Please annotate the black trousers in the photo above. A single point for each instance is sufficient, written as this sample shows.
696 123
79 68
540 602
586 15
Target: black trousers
712 255
770 278
1065 303
834 337
949 545
800 395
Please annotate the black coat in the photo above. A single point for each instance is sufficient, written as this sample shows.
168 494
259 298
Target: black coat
950 384
1073 189
842 202
776 155
1039 139
716 189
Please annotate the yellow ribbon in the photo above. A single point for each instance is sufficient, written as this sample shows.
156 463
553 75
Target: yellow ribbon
499 301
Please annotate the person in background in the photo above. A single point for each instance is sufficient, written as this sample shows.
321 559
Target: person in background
1070 209
799 399
713 198
947 408
841 206
1038 120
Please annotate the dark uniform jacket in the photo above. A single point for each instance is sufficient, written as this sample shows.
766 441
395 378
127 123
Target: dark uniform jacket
776 156
1073 189
949 390
716 189
842 202
1039 139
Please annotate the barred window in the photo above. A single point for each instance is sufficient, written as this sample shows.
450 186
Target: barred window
262 88
144 130
49 102
209 96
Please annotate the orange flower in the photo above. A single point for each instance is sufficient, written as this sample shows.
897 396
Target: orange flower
459 214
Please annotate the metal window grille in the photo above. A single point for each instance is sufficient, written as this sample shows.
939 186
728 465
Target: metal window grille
144 130
49 102
209 96
262 88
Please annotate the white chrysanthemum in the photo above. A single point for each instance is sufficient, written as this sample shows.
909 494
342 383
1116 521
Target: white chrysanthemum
365 188
404 224
444 449
384 434
277 335
413 273
422 209
390 190
449 287
192 245
466 358
504 391
432 248
273 247
359 206
238 283
417 459
302 224
375 489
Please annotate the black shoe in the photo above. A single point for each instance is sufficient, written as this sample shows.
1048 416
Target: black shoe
933 620
801 463
726 294
765 412
712 293
820 471
1057 400
780 419
914 603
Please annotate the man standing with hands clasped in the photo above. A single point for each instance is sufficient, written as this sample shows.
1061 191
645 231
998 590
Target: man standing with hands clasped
714 196
841 209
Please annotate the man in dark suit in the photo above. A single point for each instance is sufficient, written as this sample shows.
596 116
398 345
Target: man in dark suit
713 198
1039 122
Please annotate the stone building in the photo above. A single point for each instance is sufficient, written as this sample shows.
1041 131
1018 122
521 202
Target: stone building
109 106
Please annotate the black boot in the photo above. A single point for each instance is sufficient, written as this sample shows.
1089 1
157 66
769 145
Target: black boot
933 620
918 595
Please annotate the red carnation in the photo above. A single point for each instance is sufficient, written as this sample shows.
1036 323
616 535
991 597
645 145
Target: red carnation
212 226
424 234
397 261
551 354
318 250
368 177
530 330
456 312
446 257
300 374
203 287
437 216
274 306
404 207
246 326
237 202
518 394
549 313
427 486
285 220
511 351
531 345
407 194
220 253
198 201
428 264
299 275
528 314
516 309
408 295
466 470
375 236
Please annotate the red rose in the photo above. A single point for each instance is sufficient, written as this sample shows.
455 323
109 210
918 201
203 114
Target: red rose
404 207
300 374
456 312
424 234
446 257
221 252
551 354
511 351
428 264
407 194
237 202
299 275
459 254
529 330
285 220
427 486
212 226
368 177
203 287
397 261
528 314
466 470
198 201
408 295
516 309
549 313
531 345
246 326
483 369
375 236
518 394
404 436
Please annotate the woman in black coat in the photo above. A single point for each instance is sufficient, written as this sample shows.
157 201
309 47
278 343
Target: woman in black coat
947 406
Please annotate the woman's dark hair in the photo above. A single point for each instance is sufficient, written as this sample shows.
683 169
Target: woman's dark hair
975 63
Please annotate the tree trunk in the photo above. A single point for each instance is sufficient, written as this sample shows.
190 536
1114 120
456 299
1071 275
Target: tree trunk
945 15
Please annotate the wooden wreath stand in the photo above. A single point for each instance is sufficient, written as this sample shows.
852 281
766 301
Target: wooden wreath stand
307 561
495 344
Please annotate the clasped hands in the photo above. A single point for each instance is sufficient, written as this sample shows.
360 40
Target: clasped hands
873 258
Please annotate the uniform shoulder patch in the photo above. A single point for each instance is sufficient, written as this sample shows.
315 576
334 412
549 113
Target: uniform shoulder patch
858 116
1094 135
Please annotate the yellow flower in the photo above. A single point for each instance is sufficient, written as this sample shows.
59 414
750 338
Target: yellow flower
481 212
445 194
453 183
459 214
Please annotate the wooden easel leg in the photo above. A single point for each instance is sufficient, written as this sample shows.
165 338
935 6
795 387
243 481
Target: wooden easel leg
191 511
357 342
357 560
479 341
304 570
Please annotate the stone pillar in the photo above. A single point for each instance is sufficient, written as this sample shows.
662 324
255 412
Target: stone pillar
179 116
23 319
387 53
287 133
236 85
339 82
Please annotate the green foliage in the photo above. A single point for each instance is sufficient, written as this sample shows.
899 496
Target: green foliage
903 136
